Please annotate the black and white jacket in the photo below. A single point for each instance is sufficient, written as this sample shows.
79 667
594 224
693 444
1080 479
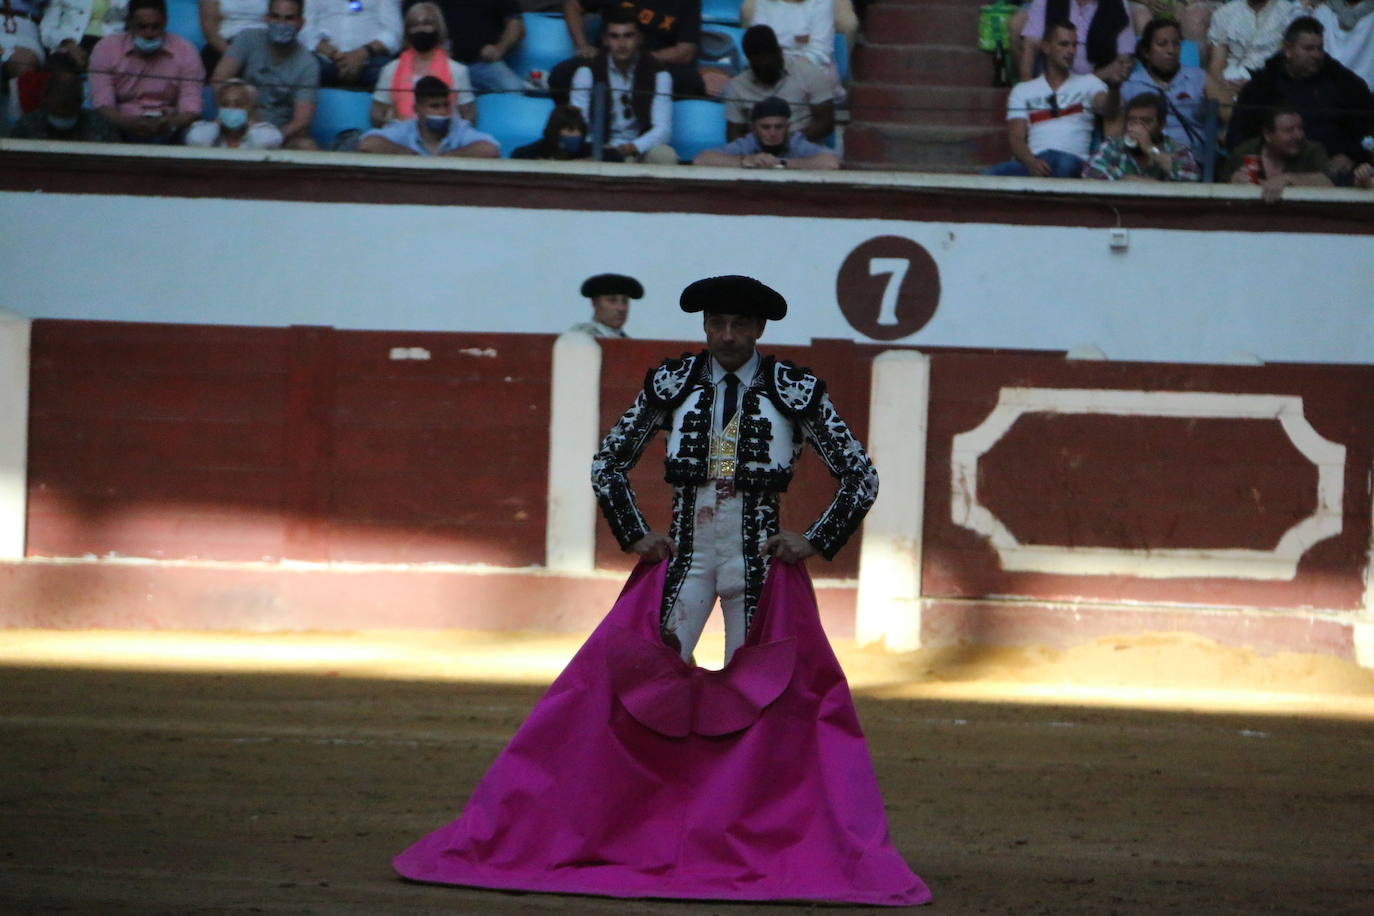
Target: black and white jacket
781 409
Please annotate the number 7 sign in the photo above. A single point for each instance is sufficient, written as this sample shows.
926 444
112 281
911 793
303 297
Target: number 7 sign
888 287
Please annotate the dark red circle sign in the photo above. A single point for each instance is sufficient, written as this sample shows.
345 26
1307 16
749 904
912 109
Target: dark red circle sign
888 287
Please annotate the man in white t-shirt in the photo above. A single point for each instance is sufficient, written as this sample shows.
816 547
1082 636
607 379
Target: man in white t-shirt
1050 119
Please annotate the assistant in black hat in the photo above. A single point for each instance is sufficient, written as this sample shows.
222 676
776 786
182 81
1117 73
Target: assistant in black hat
610 295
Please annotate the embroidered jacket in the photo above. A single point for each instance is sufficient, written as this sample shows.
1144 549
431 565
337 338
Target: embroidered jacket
783 408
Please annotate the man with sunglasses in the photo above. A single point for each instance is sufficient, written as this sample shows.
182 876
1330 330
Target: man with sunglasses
1050 119
639 121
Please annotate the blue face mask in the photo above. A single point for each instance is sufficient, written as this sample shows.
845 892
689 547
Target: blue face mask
63 124
233 118
147 45
280 33
571 145
438 123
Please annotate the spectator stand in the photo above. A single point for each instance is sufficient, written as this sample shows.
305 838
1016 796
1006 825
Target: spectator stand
545 44
513 119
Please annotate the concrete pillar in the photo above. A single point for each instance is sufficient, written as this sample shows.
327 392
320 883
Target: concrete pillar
574 435
889 606
14 432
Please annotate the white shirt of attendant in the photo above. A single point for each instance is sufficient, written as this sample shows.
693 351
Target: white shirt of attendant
1250 36
597 329
744 373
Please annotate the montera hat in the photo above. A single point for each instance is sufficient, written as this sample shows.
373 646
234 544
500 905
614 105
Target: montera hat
734 295
612 285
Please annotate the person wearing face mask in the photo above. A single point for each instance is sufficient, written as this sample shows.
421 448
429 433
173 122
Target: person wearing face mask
797 81
565 138
61 116
770 145
425 54
1335 103
434 131
283 73
146 81
236 123
1158 71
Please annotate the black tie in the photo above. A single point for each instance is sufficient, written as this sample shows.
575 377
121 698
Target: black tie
731 399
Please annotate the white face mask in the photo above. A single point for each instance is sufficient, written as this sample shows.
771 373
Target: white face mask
233 118
147 45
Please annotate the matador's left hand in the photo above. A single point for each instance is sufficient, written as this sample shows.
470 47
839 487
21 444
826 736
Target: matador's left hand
789 547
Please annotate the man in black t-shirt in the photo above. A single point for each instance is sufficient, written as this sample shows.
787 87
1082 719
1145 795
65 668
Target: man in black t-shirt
481 33
672 34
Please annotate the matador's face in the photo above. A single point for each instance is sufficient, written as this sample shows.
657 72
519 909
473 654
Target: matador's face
731 338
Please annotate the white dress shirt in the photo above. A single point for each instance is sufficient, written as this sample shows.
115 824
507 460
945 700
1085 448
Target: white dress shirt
624 127
350 24
744 373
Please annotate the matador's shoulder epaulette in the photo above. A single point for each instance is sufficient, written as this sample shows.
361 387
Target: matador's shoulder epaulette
795 389
667 384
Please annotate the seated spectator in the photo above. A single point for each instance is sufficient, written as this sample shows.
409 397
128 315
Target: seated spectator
72 27
352 39
565 138
146 81
221 21
770 144
1158 71
1104 31
284 74
1349 35
237 124
672 36
1335 104
424 54
434 131
805 28
610 295
61 116
1050 118
640 92
1242 36
21 45
1143 152
481 33
1280 157
804 86
1193 17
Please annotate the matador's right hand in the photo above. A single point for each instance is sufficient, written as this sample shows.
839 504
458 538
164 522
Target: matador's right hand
654 546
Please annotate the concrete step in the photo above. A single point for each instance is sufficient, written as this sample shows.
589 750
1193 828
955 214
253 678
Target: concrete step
926 65
943 23
886 103
940 148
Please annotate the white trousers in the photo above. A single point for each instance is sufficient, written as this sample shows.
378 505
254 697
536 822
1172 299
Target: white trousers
717 570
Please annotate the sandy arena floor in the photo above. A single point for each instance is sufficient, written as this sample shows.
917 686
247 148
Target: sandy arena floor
152 773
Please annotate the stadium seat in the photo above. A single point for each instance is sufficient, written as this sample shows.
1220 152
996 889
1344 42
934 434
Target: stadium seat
697 125
513 119
722 45
546 42
338 110
1189 55
842 58
183 18
724 11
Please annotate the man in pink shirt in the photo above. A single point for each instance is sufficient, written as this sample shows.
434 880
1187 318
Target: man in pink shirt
1104 29
147 81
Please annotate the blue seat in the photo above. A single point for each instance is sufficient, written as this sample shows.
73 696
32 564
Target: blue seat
546 42
726 11
842 58
337 110
1189 55
722 45
513 119
183 18
698 124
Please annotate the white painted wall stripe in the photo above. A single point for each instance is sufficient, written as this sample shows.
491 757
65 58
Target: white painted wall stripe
1280 563
14 432
575 414
889 606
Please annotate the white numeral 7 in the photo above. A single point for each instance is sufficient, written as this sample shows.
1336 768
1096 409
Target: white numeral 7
896 269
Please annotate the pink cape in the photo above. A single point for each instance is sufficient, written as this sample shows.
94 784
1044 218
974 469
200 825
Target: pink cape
638 775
